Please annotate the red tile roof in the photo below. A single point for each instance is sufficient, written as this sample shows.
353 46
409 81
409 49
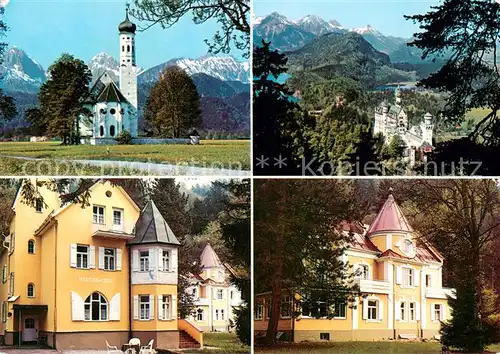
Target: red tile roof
390 218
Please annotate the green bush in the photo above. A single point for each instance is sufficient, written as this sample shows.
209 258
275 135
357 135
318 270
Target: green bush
125 138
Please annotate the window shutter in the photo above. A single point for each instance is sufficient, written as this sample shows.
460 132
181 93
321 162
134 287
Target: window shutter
92 257
398 275
173 261
380 310
72 256
160 303
151 259
77 307
365 309
118 259
135 260
417 278
433 314
160 260
151 306
441 313
418 311
398 311
174 307
136 307
101 257
114 308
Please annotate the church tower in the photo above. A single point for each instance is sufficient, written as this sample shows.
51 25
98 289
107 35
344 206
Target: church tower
427 128
398 96
128 67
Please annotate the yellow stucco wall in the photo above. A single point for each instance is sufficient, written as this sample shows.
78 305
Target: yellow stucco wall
154 324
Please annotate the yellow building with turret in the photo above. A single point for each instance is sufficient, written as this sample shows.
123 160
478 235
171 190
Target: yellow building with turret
215 297
400 278
79 276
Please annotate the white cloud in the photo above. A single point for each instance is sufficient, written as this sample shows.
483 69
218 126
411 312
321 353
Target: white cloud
4 3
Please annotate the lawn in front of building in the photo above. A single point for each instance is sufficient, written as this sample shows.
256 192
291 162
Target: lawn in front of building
386 347
228 154
226 343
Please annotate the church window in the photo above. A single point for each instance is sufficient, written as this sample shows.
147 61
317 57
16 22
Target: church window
123 48
128 48
112 111
112 130
101 130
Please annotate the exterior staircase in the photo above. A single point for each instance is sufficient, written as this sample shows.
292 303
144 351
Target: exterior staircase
186 341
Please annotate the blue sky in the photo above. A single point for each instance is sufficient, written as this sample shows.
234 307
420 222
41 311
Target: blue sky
386 16
45 29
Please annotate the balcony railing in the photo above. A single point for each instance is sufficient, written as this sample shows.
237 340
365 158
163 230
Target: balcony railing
439 293
374 286
110 230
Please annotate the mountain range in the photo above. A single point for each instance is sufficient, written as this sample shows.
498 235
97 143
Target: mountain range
222 83
286 35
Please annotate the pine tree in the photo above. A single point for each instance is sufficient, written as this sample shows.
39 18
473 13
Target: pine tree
296 247
61 98
173 105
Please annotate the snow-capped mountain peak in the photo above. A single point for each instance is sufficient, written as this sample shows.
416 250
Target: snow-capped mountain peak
366 30
20 72
316 25
103 62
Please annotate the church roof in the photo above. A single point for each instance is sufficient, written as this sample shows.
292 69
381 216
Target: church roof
152 227
390 218
111 93
209 258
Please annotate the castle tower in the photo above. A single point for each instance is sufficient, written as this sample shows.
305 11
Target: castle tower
128 68
427 128
398 96
154 254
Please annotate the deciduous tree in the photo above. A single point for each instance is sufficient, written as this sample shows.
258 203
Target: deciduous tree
173 106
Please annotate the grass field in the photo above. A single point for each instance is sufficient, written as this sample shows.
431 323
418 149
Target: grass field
221 343
230 154
359 348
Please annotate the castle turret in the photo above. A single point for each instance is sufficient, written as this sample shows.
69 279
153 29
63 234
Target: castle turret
398 96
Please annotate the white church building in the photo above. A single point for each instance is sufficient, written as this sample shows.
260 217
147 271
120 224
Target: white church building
113 109
392 120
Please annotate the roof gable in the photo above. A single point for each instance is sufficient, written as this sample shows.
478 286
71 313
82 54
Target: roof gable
209 258
111 93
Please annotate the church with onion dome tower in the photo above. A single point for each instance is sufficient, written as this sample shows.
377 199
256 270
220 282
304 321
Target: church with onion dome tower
112 108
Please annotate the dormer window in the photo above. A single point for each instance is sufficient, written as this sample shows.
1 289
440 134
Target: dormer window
408 246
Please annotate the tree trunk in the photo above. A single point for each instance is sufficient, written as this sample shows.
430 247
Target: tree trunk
277 281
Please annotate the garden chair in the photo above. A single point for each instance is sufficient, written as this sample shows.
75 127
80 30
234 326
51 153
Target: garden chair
148 349
112 349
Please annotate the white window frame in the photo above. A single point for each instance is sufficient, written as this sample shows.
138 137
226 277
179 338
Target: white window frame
118 210
90 301
428 280
144 265
97 218
4 311
341 303
109 259
79 260
259 313
363 275
144 308
402 311
32 290
200 313
166 259
408 277
376 307
441 312
11 284
412 312
216 314
222 315
5 275
220 294
286 300
166 307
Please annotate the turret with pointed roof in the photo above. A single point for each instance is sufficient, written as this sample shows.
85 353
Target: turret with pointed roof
390 218
209 258
152 228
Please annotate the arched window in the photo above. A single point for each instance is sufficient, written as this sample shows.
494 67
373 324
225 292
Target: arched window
96 308
31 290
112 130
31 247
101 131
123 48
128 48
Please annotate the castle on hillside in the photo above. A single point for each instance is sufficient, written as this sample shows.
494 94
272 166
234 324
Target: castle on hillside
113 109
392 120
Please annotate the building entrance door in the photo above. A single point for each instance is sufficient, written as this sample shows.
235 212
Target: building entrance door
30 329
